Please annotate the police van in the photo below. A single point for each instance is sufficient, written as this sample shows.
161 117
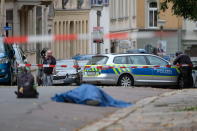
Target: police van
130 69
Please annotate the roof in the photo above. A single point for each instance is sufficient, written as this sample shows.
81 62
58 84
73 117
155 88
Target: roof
122 54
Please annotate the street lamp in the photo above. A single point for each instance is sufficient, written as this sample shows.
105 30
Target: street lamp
98 6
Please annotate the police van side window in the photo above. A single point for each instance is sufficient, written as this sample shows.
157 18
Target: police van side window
98 60
156 61
120 60
137 60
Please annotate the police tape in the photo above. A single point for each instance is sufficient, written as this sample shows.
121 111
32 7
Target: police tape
45 65
70 37
103 67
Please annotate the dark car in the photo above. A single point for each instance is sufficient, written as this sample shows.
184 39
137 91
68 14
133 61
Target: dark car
67 75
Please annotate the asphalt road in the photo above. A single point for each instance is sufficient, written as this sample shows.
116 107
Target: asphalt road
44 115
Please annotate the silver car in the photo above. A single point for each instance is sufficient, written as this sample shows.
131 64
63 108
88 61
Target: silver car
130 69
67 75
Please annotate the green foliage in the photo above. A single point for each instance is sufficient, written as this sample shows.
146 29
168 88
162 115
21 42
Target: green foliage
185 8
192 108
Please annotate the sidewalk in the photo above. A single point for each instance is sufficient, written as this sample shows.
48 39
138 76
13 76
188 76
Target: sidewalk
172 111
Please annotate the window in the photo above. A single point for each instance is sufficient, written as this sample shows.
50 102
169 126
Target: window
106 2
153 14
120 60
79 4
156 61
137 60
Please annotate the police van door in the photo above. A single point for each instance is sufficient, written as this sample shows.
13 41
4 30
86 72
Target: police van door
140 74
160 73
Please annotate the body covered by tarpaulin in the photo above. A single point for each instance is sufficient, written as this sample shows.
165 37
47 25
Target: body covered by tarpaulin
87 93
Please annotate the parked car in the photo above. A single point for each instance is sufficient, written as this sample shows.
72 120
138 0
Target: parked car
67 75
20 58
130 69
82 63
7 64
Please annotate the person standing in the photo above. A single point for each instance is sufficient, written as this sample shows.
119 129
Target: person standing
185 68
48 71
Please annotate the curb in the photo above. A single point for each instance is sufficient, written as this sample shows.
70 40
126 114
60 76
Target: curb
123 113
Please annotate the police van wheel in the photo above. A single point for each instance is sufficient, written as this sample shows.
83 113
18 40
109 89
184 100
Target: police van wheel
125 80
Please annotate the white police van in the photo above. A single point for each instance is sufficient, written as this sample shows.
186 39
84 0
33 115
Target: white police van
130 69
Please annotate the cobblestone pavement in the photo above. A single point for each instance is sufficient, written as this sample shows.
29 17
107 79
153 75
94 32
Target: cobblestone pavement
172 111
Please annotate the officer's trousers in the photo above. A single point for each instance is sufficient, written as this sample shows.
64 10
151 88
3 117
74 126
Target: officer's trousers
186 73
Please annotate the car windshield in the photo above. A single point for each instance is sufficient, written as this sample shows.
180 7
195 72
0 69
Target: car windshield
2 48
98 60
18 56
69 63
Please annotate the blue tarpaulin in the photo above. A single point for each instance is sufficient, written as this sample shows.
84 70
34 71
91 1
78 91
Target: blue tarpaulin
86 93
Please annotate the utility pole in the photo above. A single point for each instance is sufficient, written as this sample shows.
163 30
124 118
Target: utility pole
98 25
2 16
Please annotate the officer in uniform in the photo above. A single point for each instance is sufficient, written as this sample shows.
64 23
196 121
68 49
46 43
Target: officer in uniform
185 68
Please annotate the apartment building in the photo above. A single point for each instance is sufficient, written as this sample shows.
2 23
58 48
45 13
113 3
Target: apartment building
144 17
166 36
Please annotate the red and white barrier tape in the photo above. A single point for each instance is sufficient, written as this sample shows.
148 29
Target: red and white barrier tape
45 65
65 37
102 67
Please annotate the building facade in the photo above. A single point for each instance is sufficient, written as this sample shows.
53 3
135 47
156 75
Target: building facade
30 17
70 17
79 17
141 18
122 19
166 36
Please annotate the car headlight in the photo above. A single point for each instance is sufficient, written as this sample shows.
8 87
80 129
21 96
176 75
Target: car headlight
4 60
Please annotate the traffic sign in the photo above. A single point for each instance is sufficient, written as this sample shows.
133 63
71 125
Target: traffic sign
7 28
98 34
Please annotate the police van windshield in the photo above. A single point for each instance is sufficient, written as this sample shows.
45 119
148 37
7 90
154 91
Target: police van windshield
98 60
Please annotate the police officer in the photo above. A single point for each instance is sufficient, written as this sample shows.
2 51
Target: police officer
185 68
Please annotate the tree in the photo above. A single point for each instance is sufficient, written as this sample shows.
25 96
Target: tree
185 8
